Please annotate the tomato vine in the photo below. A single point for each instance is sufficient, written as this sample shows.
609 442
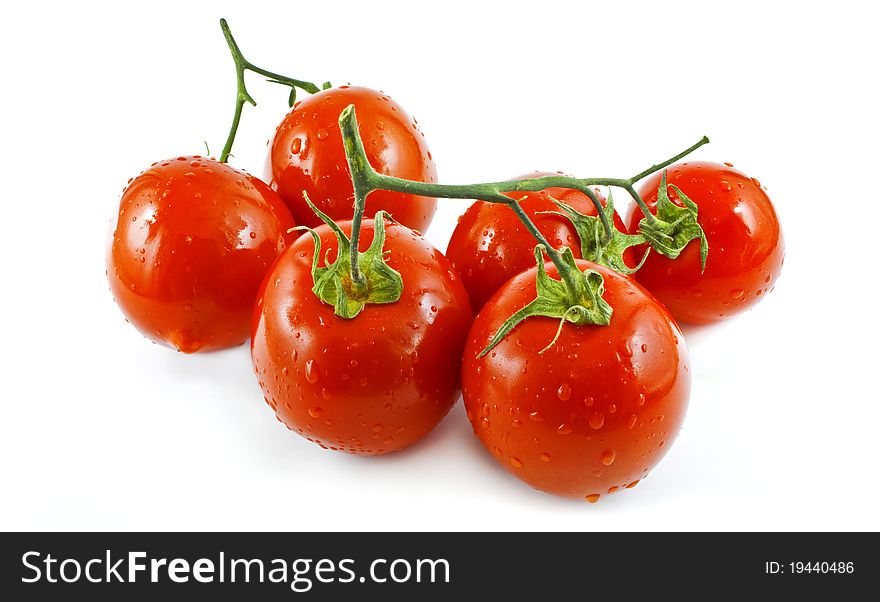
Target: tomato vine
576 298
242 95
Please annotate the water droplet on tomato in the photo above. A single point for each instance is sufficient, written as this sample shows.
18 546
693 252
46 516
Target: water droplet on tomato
597 420
631 423
296 146
316 412
607 457
564 392
516 462
737 293
633 484
322 134
313 373
545 457
564 429
592 498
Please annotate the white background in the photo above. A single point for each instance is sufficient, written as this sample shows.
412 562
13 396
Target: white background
99 429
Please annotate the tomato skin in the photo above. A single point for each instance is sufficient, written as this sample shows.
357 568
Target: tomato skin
746 247
597 410
193 239
490 245
373 384
307 155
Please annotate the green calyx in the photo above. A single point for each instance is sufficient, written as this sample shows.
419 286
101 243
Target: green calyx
673 227
580 303
333 282
595 245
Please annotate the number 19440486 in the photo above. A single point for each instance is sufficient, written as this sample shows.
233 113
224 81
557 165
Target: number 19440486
799 567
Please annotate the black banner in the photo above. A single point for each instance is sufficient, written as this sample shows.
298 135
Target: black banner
427 566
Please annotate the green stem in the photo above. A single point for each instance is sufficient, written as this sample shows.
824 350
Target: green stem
565 271
360 170
668 162
646 211
489 191
242 96
365 180
628 184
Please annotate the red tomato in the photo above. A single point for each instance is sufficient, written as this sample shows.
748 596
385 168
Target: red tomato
375 383
597 410
307 155
489 246
746 247
192 242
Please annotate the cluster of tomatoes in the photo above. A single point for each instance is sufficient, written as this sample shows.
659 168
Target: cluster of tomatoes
205 256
